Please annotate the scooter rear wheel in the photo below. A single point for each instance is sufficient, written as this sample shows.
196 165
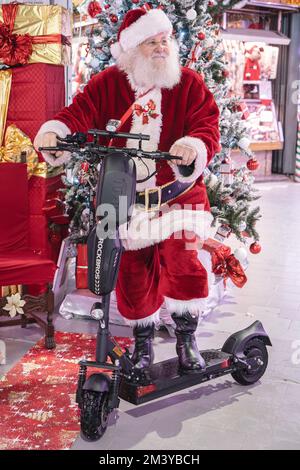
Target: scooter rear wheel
94 415
256 355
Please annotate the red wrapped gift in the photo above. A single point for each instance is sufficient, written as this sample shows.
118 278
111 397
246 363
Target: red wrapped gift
37 94
42 189
242 107
81 266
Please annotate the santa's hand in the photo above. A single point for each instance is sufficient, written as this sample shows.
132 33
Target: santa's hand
49 139
187 154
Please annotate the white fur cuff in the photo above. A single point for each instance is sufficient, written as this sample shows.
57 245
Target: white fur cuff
154 318
200 161
193 306
60 129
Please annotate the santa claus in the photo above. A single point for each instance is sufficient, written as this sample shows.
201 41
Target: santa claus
151 93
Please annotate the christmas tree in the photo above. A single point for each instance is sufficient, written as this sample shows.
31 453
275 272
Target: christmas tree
230 191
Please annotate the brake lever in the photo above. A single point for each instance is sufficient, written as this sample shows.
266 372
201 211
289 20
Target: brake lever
57 149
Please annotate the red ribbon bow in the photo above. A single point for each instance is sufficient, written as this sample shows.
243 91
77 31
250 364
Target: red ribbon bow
17 48
224 263
14 48
146 111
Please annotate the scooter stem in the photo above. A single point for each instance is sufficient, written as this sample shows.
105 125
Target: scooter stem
102 334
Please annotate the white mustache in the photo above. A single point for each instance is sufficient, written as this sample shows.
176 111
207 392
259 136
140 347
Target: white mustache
159 56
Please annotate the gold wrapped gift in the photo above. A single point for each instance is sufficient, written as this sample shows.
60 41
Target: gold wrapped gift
45 29
5 86
16 143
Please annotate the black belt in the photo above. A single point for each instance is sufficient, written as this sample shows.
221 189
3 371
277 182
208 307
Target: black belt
156 197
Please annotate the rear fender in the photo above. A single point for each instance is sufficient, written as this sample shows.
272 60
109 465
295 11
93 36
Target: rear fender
236 343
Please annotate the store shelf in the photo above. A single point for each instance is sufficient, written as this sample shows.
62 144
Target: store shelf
271 5
268 37
263 146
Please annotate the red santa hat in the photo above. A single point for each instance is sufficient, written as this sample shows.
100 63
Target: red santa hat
139 25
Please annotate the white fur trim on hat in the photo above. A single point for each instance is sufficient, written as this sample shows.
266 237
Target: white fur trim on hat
200 161
116 50
154 22
60 129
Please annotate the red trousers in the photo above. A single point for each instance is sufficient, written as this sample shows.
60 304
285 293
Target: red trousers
167 269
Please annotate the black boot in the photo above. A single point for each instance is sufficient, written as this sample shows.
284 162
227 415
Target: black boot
189 358
143 354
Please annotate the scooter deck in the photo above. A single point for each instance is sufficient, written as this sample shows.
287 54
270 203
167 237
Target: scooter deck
165 377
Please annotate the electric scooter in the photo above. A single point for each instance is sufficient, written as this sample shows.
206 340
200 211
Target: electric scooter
244 354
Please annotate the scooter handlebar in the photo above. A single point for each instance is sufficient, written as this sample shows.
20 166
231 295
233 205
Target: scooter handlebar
103 151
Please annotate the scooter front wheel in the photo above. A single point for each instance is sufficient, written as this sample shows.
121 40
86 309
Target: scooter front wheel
256 355
94 414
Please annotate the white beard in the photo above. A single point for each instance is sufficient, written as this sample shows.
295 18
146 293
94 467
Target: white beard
144 73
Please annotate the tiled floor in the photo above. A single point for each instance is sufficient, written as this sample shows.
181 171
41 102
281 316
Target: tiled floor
222 414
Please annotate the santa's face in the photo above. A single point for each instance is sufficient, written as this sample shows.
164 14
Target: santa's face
155 62
156 48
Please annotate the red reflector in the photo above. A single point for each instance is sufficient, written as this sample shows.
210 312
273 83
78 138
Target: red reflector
141 391
225 364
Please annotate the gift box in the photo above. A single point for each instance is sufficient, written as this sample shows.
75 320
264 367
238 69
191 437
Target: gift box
243 108
37 94
18 148
81 266
41 189
35 34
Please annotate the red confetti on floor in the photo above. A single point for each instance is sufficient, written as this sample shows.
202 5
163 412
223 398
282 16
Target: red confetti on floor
38 408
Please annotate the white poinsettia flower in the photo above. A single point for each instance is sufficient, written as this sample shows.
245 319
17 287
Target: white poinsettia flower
14 305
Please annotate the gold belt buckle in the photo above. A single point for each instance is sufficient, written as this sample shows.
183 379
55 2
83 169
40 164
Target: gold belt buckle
152 190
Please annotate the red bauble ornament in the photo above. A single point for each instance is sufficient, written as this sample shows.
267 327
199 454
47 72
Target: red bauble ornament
113 18
252 164
201 36
226 160
135 1
255 248
84 166
107 6
94 8
225 73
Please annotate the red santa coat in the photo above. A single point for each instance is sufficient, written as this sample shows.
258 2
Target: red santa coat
185 114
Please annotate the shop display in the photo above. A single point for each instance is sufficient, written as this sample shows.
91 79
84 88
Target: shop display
252 67
263 125
248 61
